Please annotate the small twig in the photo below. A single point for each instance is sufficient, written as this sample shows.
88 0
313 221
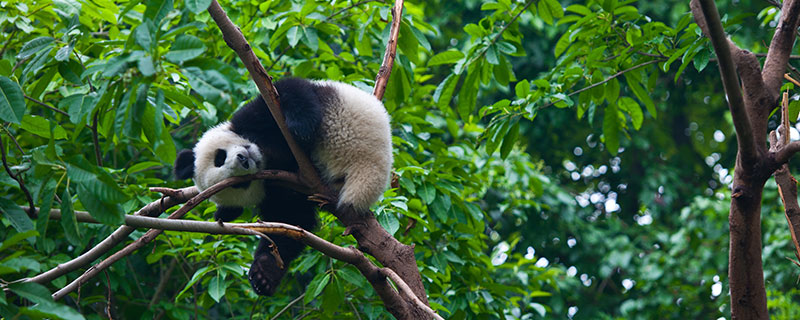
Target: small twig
18 177
792 80
289 305
108 290
34 100
97 156
349 7
165 277
606 80
382 79
8 41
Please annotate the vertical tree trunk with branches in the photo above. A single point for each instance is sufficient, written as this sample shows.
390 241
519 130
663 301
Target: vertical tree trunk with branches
752 94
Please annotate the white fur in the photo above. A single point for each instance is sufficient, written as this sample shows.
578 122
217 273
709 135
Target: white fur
355 143
206 174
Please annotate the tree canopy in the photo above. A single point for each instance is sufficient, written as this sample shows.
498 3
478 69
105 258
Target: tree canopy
552 158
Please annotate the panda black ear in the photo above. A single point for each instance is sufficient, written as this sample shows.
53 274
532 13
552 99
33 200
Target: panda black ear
184 164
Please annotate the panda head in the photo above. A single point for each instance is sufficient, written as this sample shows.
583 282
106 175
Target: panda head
219 154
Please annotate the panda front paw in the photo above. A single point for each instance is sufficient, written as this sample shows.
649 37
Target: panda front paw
321 199
265 275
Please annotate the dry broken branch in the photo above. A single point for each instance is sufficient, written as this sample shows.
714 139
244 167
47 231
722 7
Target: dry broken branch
382 80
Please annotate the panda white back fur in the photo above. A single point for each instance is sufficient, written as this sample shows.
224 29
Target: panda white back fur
344 130
355 143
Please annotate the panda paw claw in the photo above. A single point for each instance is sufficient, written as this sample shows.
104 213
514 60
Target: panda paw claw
321 199
265 275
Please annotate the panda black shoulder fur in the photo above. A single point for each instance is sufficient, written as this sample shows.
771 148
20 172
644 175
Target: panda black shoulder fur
344 130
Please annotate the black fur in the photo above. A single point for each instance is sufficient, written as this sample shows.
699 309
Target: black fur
184 164
302 103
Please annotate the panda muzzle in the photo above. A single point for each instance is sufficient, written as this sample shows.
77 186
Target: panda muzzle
244 161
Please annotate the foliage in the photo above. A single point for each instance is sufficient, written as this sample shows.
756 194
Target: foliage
552 160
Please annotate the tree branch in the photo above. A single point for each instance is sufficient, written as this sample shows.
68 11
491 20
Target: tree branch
17 178
370 235
646 63
382 79
349 255
781 46
235 40
707 17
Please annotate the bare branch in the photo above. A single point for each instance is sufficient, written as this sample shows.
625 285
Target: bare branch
407 292
781 46
646 63
17 178
152 209
382 80
707 17
45 105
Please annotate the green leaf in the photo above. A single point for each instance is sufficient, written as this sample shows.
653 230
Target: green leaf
197 6
41 127
333 296
18 218
32 47
444 91
293 35
447 57
389 222
427 192
544 12
522 89
468 96
315 287
311 39
157 10
186 47
407 42
217 286
611 128
68 220
144 35
794 109
509 140
32 291
642 95
12 101
612 91
146 66
10 241
632 108
195 277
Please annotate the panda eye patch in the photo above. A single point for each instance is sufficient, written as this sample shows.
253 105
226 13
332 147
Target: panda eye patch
219 157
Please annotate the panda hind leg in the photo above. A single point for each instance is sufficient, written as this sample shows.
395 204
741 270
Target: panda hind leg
265 274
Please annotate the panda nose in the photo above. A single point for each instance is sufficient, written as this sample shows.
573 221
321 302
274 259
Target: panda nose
243 160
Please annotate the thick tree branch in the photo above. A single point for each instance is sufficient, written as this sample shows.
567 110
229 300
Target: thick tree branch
787 187
707 17
236 41
382 79
781 46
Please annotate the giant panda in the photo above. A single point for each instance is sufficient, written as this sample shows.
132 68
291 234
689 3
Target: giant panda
345 132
